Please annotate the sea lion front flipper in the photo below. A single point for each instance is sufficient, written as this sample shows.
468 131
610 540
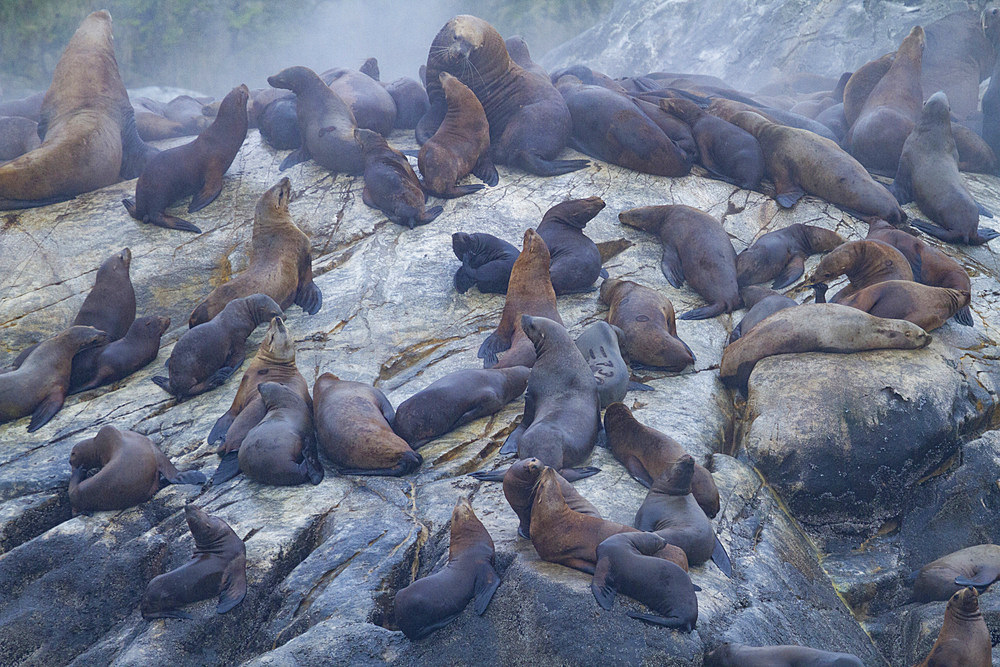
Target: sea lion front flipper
671 267
229 467
638 386
721 558
295 157
983 211
310 460
163 383
964 317
221 427
510 444
786 190
46 410
385 407
666 621
208 193
491 476
490 348
188 477
487 581
485 170
986 234
172 222
539 166
638 471
576 474
793 271
233 587
309 298
429 215
604 273
602 585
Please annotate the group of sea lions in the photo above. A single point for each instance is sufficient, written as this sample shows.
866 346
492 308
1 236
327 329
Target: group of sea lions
485 103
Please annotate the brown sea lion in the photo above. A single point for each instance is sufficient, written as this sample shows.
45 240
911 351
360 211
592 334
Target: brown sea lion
864 263
326 123
926 306
411 101
928 174
977 566
876 137
695 248
529 292
390 183
206 355
218 566
561 535
726 151
132 470
455 400
487 262
519 484
529 121
17 137
823 327
354 429
119 359
193 169
280 262
517 48
371 104
781 254
739 655
281 449
676 129
86 124
647 454
626 564
38 386
961 51
470 575
726 109
154 127
646 318
761 303
862 83
461 145
800 163
974 154
574 260
964 638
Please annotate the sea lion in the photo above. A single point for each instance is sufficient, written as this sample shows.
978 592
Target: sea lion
371 104
726 151
626 564
964 638
519 484
17 137
676 129
862 83
278 123
833 117
218 566
280 262
977 566
132 470
390 184
738 655
86 124
928 174
562 413
194 169
696 248
411 102
762 303
876 137
781 254
800 163
29 107
599 344
281 449
646 319
354 429
926 306
206 355
529 292
487 262
961 51
38 386
461 145
470 575
529 121
561 535
119 359
991 111
455 400
517 49
574 260
153 127
864 263
326 123
824 327
647 454
726 109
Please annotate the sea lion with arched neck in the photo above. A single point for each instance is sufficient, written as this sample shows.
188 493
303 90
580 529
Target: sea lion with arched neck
964 638
519 484
574 260
781 255
926 306
864 263
761 303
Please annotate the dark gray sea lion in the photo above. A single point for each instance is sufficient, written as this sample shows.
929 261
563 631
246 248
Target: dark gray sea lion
487 262
281 449
575 261
372 106
17 137
781 255
517 48
762 303
738 655
390 183
119 359
599 344
411 102
961 51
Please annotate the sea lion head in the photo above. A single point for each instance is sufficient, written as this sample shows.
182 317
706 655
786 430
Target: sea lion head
609 287
936 111
466 528
964 602
117 265
294 78
462 35
369 141
646 218
575 212
149 328
234 104
262 308
278 344
905 335
275 200
208 531
991 25
685 110
95 452
83 337
96 28
616 416
676 481
277 395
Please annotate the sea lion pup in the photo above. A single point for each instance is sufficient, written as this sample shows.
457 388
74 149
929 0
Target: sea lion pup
726 151
977 566
326 123
194 169
132 470
206 355
574 260
800 163
864 263
86 124
529 292
762 303
930 266
927 307
738 655
626 564
781 255
600 344
562 412
354 429
647 454
119 359
696 248
646 319
411 101
562 535
822 327
608 126
470 575
876 137
372 106
487 262
281 449
529 121
17 137
280 263
38 386
519 483
455 400
218 566
928 173
964 638
518 51
461 145
390 184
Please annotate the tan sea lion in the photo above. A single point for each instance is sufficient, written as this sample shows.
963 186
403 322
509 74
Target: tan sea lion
17 137
132 470
119 359
646 319
739 655
977 566
390 183
964 638
726 109
781 255
862 83
280 262
281 448
927 307
470 575
864 263
519 484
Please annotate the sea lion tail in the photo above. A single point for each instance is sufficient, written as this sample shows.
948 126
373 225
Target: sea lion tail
536 165
18 204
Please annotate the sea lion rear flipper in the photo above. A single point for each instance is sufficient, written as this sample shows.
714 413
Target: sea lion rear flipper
981 580
638 386
385 407
163 383
936 231
576 474
17 204
964 317
602 585
491 476
461 190
604 273
46 410
671 267
666 621
309 298
490 348
535 164
172 222
300 154
704 312
486 171
721 558
221 427
638 471
310 459
233 587
986 234
983 211
429 215
209 191
786 191
487 581
793 271
229 467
